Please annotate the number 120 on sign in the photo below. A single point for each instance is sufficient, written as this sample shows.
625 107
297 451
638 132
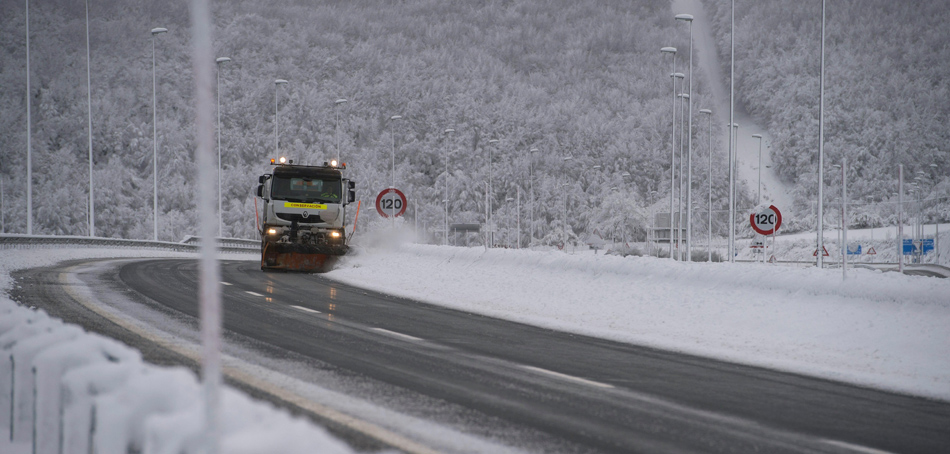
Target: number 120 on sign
766 221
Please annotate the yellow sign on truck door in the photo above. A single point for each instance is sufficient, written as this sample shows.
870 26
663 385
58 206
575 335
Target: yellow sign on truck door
309 206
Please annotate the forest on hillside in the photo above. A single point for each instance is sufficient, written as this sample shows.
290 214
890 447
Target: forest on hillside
887 97
581 79
573 79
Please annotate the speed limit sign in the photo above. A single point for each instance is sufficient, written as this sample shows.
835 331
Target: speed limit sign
766 221
391 203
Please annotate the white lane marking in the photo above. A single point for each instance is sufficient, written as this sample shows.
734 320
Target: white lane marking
567 377
225 283
855 448
307 309
252 293
395 334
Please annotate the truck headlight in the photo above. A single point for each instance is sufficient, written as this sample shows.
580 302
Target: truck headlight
335 234
272 231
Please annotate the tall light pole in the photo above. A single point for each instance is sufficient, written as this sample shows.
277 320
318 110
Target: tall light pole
732 120
689 141
29 133
758 199
491 195
277 84
821 149
338 104
218 61
533 205
92 200
673 75
447 133
844 217
708 114
679 210
155 31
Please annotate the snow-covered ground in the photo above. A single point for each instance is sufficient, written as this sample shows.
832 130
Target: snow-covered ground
882 330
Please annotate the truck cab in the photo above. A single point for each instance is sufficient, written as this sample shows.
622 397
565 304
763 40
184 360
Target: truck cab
304 213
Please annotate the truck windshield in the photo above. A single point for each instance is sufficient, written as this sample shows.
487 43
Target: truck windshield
304 189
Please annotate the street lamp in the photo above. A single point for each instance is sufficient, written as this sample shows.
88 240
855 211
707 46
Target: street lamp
218 61
277 84
759 186
533 205
155 31
684 97
446 182
508 233
92 199
821 151
689 141
491 195
338 103
29 132
673 76
708 114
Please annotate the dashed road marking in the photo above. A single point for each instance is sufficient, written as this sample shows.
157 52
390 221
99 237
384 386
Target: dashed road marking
395 334
854 447
572 378
225 283
252 293
306 309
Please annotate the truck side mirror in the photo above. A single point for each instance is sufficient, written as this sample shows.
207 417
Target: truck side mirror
261 179
351 191
260 190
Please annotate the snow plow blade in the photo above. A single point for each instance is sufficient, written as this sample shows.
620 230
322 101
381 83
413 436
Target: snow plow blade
310 260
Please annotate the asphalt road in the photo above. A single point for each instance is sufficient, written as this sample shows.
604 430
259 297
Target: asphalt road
588 394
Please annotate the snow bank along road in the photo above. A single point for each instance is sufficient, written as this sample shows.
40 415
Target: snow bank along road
474 383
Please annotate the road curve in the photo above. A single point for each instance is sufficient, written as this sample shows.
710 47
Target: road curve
589 394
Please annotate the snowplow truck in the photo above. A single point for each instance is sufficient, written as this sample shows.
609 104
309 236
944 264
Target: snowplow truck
303 226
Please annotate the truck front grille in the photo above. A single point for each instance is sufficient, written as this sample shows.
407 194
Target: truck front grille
312 219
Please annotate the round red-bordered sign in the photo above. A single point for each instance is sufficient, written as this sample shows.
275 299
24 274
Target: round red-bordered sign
766 221
391 199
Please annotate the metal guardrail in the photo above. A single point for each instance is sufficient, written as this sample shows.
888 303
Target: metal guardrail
189 244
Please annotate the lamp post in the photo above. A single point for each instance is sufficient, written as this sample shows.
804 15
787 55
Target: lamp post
92 199
447 132
688 18
680 245
673 162
29 132
155 31
491 195
821 151
708 114
277 84
218 62
338 104
533 205
733 190
508 233
732 120
758 199
673 76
